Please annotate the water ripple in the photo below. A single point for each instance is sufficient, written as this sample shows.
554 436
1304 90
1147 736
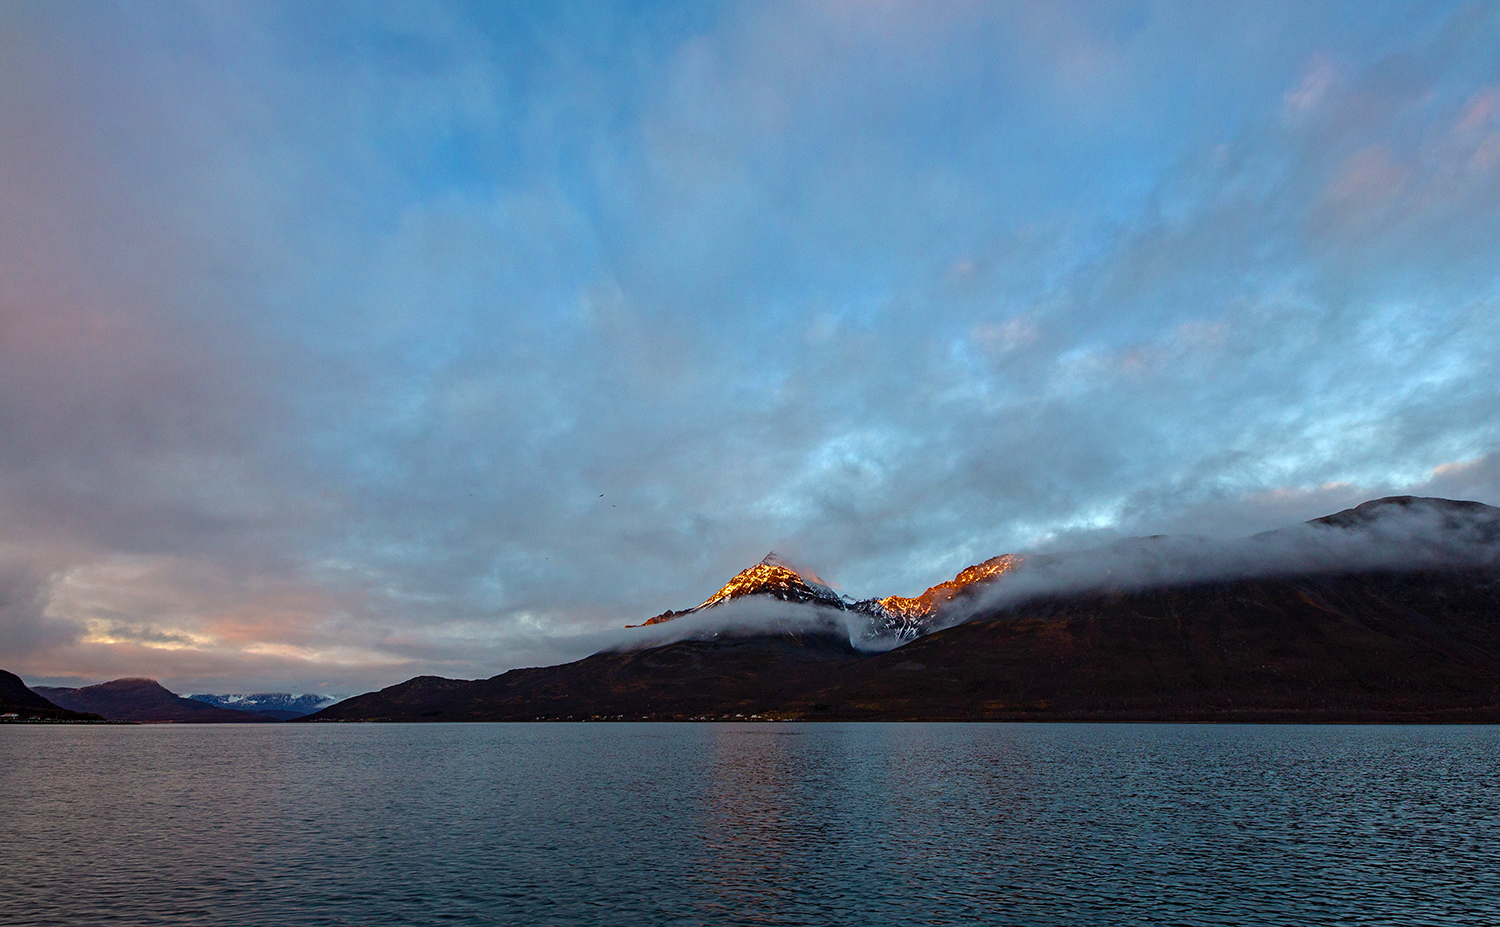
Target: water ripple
1042 824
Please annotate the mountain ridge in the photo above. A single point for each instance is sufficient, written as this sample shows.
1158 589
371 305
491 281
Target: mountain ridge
900 619
892 618
283 706
143 700
1411 638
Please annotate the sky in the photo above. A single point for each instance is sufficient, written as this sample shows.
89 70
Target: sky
346 342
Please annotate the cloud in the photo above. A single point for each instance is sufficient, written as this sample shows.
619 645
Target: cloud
322 336
1478 478
1320 77
25 627
1404 536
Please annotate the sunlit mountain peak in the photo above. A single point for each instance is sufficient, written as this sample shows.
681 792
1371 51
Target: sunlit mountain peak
891 618
775 577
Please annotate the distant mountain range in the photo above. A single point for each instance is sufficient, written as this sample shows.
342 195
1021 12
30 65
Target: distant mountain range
143 700
280 705
1388 611
147 701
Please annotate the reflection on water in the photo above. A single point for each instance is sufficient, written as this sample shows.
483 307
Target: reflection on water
749 824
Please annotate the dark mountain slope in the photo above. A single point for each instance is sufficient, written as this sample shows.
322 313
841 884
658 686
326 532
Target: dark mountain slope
1390 646
1389 611
144 700
720 677
1358 647
1451 514
16 699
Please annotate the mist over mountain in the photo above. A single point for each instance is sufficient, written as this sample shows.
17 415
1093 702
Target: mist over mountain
1384 611
872 623
1394 533
1397 533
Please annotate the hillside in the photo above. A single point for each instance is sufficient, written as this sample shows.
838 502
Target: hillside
144 700
1390 611
25 704
1359 647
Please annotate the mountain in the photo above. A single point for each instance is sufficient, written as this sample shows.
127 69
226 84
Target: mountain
772 577
16 699
143 700
1450 514
283 706
1365 646
910 618
1386 612
688 679
893 619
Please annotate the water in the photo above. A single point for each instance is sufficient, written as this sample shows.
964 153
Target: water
749 824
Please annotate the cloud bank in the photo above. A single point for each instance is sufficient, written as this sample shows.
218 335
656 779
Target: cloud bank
1410 536
341 345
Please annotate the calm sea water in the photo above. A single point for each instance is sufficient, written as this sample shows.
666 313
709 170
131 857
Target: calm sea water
749 824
